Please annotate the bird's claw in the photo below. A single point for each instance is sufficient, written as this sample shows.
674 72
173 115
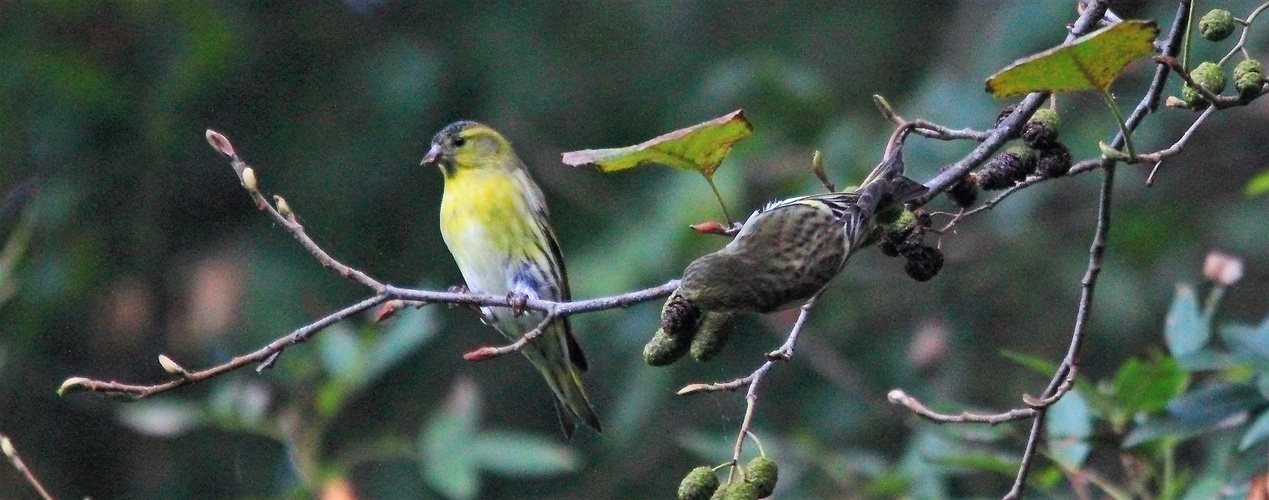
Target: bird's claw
517 302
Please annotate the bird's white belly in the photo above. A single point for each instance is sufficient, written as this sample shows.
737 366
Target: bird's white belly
484 266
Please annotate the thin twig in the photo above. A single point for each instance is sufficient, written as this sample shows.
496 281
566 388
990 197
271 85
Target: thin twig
288 221
11 453
1157 157
1242 40
1063 379
1216 100
1148 104
268 355
485 353
899 397
928 128
265 355
753 380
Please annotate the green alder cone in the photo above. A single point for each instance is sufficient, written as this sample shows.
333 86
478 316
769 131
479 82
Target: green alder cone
739 490
699 484
1217 25
714 332
1210 76
762 473
1248 66
664 349
1249 84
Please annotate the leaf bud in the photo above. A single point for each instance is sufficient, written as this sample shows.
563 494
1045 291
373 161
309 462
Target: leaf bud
249 179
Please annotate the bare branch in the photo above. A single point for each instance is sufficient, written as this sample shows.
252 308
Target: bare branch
11 453
899 397
1242 40
264 355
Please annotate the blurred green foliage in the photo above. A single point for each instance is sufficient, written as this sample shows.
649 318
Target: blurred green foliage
142 242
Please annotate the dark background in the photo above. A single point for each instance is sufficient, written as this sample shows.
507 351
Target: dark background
145 244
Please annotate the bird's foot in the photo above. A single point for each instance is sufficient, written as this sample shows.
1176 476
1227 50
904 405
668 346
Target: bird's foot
517 302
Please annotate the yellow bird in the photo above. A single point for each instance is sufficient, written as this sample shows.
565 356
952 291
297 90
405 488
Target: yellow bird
494 221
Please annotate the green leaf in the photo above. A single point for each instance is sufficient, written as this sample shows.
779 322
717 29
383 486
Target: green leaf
1247 342
1258 185
1258 431
1068 424
1206 409
1184 328
1148 385
449 462
1091 62
1206 359
700 147
517 454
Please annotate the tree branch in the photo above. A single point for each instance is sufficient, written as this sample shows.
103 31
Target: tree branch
15 459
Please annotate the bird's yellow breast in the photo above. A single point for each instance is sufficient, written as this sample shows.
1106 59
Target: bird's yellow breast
487 223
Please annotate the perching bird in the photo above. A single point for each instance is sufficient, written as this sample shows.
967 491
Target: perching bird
494 221
789 250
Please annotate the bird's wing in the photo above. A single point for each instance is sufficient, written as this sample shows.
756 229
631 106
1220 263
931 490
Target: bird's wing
555 266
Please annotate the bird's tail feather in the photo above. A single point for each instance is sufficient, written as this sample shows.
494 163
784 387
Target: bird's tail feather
571 402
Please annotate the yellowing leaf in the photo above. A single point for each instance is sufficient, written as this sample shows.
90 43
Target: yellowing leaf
1091 62
700 147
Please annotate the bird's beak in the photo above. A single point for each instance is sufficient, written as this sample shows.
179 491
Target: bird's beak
432 155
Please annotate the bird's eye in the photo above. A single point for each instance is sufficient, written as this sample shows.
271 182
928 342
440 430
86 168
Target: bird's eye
459 141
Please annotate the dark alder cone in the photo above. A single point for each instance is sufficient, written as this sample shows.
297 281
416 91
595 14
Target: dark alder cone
679 317
898 243
699 484
1054 161
1004 113
963 192
923 263
1042 129
923 217
762 473
1006 169
888 247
